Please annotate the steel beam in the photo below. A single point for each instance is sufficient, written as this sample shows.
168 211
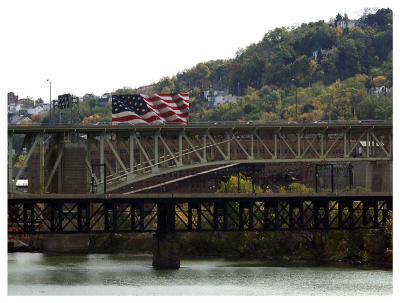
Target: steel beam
56 165
219 145
28 156
10 163
246 213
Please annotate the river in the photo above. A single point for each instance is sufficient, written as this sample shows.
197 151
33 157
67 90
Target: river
125 274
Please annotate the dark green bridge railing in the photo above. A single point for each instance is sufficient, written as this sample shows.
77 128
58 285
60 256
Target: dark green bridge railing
135 153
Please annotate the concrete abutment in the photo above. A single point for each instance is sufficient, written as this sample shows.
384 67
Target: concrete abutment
65 243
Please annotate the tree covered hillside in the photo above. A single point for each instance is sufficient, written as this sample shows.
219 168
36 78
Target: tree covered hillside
341 70
338 68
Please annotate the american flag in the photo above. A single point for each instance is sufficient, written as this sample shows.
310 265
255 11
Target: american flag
150 109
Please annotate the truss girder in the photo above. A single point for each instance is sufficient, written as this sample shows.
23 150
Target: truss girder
208 147
180 214
144 152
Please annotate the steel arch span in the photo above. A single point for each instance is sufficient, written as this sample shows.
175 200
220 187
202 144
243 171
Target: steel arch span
135 153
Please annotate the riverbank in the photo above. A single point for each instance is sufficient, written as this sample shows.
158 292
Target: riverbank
363 247
20 246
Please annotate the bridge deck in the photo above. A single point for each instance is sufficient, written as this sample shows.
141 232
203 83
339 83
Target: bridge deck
23 129
165 196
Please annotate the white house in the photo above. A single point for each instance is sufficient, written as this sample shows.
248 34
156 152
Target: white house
46 107
318 54
215 97
343 24
379 90
11 108
35 111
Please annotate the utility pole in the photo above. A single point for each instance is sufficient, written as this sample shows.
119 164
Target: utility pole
71 105
252 179
238 176
50 98
294 81
296 104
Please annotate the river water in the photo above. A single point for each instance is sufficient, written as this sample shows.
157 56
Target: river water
125 274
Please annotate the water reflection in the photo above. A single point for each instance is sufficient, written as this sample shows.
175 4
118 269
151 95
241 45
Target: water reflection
102 274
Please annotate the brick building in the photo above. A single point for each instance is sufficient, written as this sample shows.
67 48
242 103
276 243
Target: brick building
12 98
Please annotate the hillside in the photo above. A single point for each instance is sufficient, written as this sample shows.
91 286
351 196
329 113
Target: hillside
341 70
348 64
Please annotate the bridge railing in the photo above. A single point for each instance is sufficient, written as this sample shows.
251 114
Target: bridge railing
216 123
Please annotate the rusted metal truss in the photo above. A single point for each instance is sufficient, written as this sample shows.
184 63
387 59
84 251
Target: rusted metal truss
133 154
198 214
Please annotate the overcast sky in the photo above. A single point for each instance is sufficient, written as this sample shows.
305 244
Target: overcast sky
99 46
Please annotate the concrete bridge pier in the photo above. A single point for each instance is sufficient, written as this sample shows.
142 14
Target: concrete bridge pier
165 240
166 251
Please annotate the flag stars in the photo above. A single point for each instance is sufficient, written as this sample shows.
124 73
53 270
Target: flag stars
124 103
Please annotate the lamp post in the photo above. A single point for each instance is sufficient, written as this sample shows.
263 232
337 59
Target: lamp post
50 98
294 81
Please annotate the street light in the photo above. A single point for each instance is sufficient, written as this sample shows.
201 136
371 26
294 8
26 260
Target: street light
294 81
50 97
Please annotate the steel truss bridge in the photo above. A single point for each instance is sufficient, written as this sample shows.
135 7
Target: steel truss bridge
141 152
170 213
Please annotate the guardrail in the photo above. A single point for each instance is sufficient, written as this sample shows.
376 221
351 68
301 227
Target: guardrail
220 123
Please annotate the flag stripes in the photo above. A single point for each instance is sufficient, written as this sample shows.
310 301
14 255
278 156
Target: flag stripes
156 109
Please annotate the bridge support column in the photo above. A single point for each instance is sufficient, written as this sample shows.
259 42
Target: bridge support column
165 240
166 251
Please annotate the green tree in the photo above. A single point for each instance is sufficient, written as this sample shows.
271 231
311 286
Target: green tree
245 185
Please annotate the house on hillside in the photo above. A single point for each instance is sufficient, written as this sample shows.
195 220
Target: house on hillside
345 24
320 53
87 97
216 98
11 108
104 99
23 112
39 102
379 90
46 107
35 111
41 109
